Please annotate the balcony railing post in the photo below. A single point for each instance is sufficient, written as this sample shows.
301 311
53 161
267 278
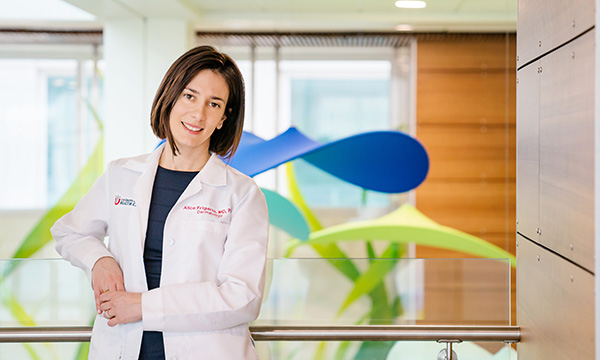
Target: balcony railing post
448 353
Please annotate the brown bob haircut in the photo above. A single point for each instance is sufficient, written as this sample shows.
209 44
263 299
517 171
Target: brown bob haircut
223 141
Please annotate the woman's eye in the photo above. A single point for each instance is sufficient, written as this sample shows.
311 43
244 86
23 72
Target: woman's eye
214 105
188 96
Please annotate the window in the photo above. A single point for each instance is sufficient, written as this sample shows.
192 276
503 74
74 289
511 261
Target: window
47 111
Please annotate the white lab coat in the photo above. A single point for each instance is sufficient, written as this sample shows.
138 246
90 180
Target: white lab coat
214 253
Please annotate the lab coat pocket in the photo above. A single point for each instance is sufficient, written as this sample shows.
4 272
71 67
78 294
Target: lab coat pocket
207 233
204 244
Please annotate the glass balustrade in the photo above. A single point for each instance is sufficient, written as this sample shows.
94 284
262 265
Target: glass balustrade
313 293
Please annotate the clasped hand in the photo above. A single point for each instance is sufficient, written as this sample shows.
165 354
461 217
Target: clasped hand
117 305
121 307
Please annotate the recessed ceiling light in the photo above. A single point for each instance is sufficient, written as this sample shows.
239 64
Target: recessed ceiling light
411 4
404 27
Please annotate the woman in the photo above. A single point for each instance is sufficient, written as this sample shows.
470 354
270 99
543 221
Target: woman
183 272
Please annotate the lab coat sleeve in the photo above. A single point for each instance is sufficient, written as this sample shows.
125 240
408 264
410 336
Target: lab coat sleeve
235 297
80 233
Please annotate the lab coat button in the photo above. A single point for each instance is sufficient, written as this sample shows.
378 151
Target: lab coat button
173 358
171 242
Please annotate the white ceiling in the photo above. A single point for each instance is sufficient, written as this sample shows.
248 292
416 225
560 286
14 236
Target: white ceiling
41 10
284 15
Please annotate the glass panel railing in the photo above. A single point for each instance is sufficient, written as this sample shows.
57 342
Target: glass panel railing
381 292
384 291
315 293
48 292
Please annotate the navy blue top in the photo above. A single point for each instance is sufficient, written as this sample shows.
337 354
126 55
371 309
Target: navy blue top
168 187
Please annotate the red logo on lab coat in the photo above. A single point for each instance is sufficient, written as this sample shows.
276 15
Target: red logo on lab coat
124 201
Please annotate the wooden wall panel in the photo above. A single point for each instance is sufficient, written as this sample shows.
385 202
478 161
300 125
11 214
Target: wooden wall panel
453 149
477 207
466 119
466 292
458 53
479 98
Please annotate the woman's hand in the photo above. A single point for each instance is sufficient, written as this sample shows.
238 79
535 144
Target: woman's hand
106 276
121 307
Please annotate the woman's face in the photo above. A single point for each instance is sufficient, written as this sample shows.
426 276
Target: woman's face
199 110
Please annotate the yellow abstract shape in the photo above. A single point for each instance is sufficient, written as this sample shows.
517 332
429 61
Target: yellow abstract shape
313 222
409 225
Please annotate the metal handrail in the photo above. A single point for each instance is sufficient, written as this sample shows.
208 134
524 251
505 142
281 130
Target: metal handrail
507 334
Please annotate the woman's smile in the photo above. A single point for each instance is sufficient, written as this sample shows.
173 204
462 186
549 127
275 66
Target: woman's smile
191 128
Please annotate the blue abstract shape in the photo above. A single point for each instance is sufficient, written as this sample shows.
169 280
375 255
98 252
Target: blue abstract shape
285 215
384 161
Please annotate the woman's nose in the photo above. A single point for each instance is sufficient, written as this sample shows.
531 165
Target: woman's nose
198 113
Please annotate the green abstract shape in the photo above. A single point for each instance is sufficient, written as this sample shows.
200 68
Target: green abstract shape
313 222
374 350
31 352
381 312
84 348
373 276
95 115
408 225
367 347
23 318
371 251
321 354
290 246
331 252
83 351
285 215
340 353
40 234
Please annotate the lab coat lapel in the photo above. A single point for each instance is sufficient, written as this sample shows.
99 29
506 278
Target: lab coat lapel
194 187
142 189
213 173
